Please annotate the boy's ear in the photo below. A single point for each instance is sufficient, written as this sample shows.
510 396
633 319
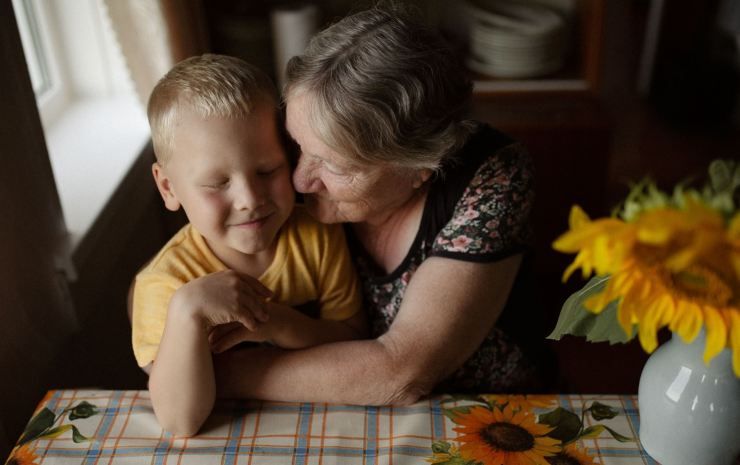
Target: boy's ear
165 187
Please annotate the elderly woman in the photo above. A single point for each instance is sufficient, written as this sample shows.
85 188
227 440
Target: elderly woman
436 211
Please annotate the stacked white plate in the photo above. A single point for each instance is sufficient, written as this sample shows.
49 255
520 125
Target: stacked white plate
516 40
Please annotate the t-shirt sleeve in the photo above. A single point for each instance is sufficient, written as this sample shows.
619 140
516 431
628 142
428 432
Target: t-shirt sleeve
152 294
490 221
339 293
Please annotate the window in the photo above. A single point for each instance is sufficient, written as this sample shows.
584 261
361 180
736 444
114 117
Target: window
94 124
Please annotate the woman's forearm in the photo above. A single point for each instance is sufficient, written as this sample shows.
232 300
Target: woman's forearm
441 323
182 384
368 372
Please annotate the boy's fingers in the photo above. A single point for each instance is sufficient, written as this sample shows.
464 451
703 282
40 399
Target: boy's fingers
255 305
257 286
249 322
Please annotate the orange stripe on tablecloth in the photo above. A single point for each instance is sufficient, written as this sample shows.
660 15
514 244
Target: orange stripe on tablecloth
390 435
254 437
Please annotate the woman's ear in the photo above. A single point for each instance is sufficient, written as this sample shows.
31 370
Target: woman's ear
421 176
164 185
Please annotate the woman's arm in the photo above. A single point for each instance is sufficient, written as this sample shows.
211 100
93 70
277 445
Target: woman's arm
449 308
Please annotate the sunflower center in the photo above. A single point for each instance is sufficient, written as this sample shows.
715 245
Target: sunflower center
702 285
508 437
562 459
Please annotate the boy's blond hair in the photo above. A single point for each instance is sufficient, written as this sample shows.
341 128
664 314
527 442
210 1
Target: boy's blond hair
209 85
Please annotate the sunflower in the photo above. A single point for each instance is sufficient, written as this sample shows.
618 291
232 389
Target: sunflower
671 267
521 402
504 437
22 455
571 455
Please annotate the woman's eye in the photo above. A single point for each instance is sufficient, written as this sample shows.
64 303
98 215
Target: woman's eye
335 170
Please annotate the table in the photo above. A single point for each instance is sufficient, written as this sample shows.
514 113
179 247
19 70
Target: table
119 427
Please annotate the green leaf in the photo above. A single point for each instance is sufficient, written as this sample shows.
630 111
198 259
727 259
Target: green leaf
576 320
721 175
602 412
592 432
453 412
618 436
55 432
83 410
77 436
440 447
566 423
38 424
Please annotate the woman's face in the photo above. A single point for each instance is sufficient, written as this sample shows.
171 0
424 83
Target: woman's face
338 189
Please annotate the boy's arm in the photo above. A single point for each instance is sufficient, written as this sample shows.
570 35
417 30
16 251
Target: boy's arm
181 382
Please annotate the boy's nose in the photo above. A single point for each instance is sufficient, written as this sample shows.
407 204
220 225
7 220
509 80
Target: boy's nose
305 180
249 196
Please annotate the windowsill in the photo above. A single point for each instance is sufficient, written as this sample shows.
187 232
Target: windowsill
92 146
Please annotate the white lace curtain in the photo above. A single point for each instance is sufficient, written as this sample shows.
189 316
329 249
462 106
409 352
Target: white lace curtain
155 34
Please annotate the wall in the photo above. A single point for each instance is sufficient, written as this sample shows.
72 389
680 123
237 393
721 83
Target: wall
33 293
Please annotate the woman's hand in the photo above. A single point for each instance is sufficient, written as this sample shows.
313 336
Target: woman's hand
223 298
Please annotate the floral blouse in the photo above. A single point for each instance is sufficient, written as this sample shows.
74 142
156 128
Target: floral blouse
477 209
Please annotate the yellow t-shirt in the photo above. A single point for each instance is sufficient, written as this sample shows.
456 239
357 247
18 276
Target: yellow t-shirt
311 265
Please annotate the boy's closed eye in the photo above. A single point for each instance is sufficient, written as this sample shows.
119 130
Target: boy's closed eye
215 184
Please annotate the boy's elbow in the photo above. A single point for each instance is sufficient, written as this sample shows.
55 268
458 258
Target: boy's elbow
177 418
182 429
180 424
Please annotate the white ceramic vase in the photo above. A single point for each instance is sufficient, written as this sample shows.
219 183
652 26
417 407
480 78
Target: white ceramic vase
689 412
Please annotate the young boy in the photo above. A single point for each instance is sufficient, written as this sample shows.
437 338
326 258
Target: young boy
247 257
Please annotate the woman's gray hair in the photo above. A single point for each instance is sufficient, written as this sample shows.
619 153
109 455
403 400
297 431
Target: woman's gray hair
384 88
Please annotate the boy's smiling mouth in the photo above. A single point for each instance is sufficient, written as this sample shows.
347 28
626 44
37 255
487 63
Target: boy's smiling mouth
252 223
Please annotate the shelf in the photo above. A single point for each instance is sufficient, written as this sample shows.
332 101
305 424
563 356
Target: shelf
582 71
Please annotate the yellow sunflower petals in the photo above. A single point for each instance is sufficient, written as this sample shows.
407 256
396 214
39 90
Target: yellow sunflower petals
656 227
650 323
733 231
597 302
577 217
689 320
716 333
735 340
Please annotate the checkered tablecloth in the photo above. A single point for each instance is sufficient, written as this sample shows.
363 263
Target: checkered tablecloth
119 427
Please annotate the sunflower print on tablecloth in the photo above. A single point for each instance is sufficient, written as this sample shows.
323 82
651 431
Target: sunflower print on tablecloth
506 430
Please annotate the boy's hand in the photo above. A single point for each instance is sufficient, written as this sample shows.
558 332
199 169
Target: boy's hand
224 297
225 337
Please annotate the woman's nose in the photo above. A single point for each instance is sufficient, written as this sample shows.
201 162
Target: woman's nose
305 180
